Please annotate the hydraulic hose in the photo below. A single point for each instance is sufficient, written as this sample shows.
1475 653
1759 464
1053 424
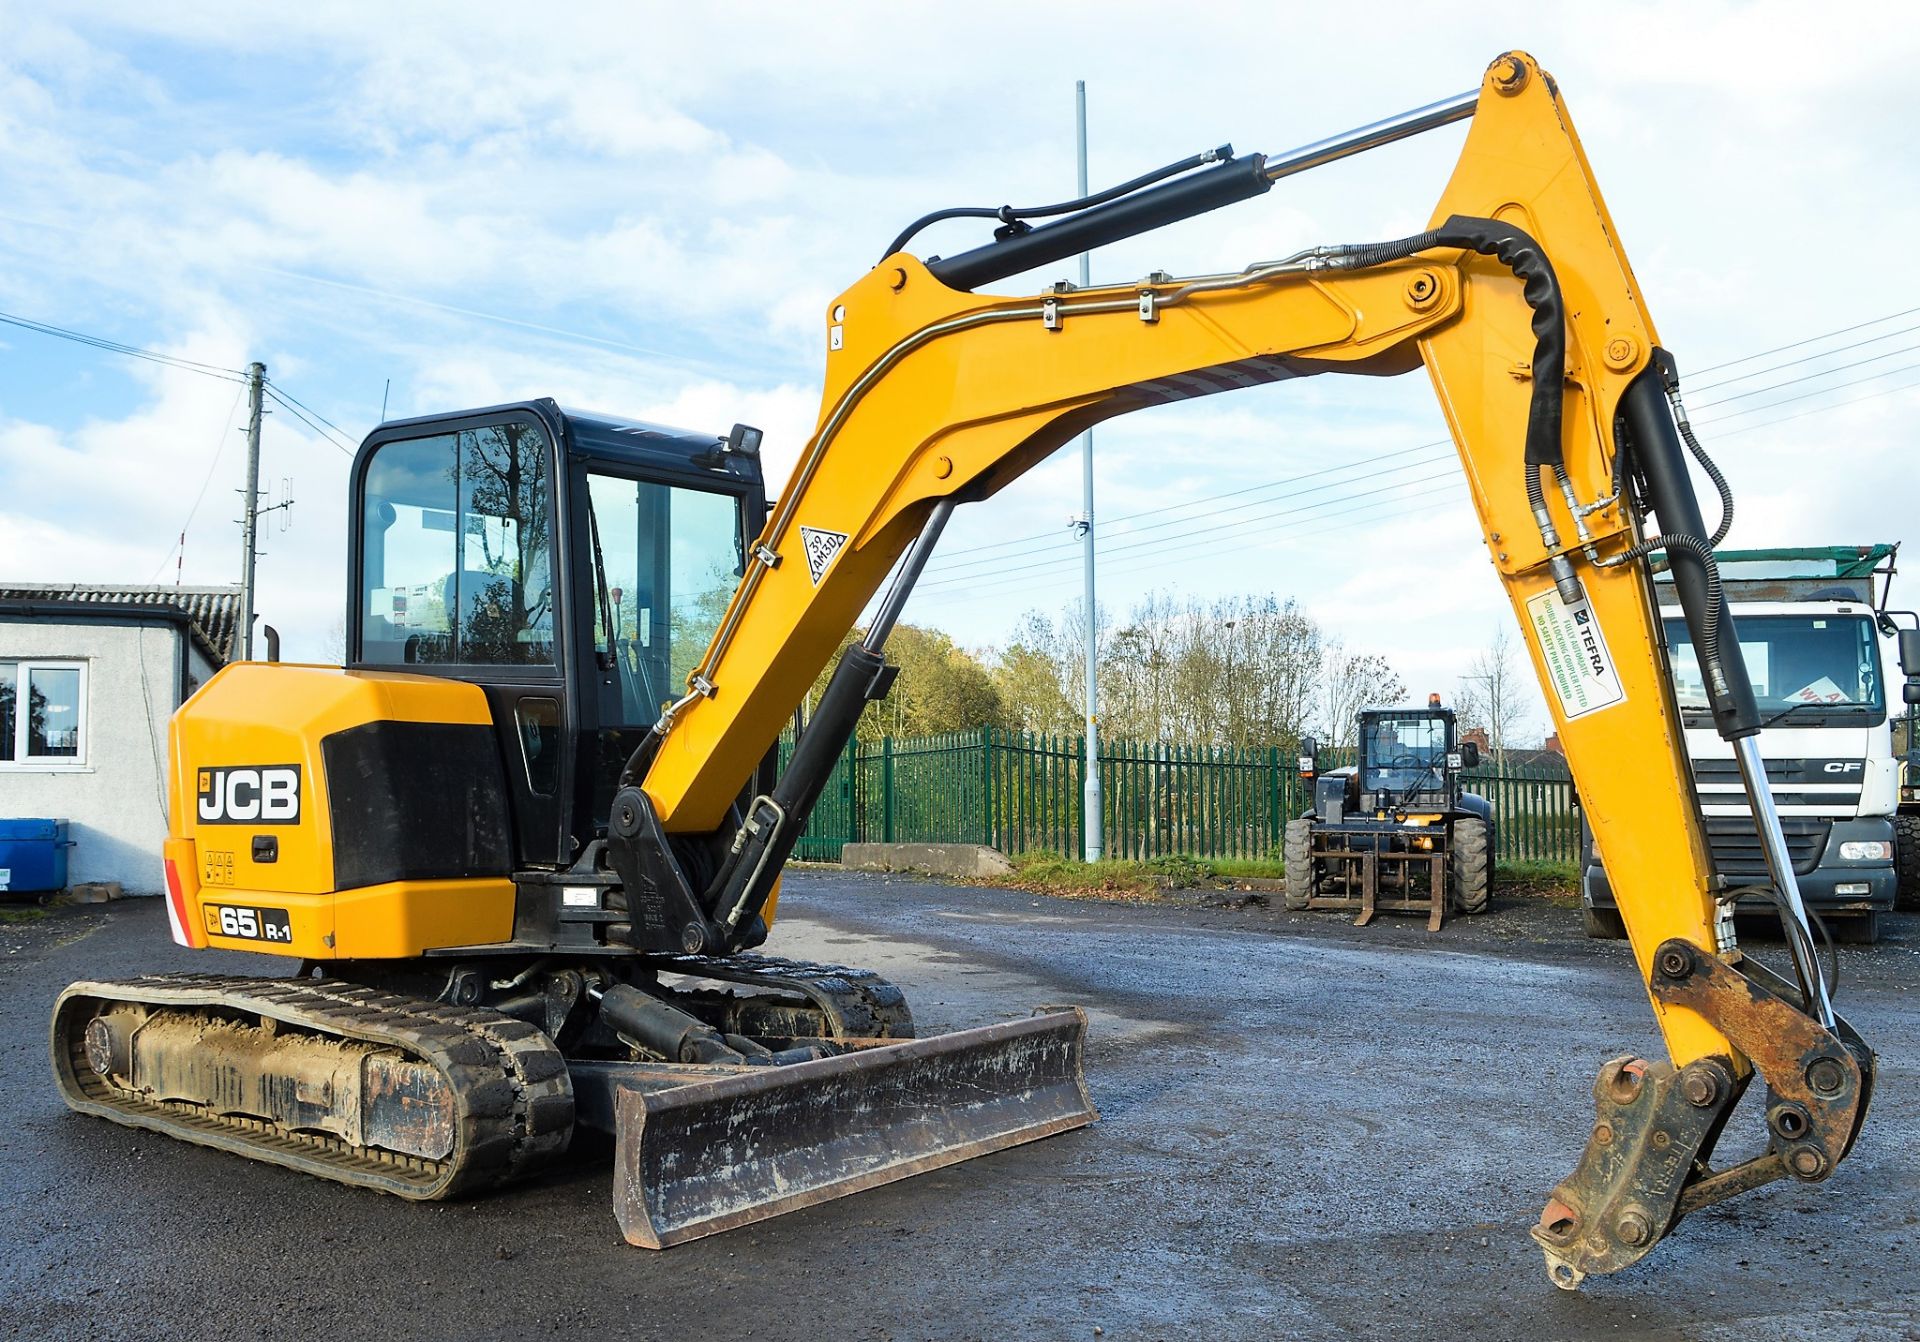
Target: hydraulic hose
1540 287
1010 216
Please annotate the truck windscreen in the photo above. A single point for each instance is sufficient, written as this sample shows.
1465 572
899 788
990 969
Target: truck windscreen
1817 667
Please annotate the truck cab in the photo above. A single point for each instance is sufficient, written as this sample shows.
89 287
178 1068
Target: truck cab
1824 658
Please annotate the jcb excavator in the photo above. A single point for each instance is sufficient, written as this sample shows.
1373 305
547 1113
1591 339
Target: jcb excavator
524 879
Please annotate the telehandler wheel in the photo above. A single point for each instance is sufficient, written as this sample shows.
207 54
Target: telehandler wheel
1471 865
1299 859
1602 924
1906 860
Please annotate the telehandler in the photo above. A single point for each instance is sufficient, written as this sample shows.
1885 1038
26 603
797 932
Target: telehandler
1395 831
525 895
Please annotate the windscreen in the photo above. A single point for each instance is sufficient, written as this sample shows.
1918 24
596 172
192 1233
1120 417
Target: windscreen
1811 668
1404 755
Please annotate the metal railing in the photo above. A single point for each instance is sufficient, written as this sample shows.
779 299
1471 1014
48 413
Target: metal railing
1024 792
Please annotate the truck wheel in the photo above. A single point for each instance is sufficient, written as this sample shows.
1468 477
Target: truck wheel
1299 859
1906 860
1471 865
1602 924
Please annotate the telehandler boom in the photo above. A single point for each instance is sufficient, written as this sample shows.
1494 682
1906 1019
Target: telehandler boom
524 892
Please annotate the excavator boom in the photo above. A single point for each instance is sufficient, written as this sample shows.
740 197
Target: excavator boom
1523 308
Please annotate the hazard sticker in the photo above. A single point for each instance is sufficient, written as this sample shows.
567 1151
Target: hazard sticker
821 547
1578 664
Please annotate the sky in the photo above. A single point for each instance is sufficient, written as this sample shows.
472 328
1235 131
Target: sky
647 209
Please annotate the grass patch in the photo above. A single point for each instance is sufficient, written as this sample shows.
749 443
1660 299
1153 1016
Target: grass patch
1248 868
1118 878
26 915
1555 882
1049 873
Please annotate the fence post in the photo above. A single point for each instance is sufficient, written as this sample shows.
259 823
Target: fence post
986 786
1274 829
886 789
851 759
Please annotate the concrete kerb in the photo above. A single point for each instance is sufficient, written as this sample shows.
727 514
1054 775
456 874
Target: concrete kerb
964 861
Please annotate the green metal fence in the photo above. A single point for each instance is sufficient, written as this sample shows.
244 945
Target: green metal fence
1023 792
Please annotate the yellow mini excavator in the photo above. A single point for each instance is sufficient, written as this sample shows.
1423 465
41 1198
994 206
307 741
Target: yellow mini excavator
524 845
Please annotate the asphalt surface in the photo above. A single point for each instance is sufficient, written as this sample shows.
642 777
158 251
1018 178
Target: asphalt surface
1309 1131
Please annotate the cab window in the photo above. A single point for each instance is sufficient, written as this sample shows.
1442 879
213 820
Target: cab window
457 549
665 561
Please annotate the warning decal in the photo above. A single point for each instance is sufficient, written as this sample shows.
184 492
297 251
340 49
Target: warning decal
1576 655
821 547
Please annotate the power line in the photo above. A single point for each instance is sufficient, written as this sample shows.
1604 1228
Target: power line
132 351
219 451
1212 532
1053 537
1206 537
1805 395
1822 409
1745 358
287 403
282 395
1805 358
312 418
1292 530
1808 377
1810 340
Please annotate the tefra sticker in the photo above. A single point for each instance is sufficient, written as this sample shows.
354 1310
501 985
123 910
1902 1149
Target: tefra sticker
821 547
1575 651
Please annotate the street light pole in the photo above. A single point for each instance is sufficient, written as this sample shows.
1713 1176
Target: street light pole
1095 829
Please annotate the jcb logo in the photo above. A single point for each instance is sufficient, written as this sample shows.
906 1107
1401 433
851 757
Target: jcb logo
267 794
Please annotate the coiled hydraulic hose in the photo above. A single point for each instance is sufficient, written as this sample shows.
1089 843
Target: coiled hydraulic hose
1540 287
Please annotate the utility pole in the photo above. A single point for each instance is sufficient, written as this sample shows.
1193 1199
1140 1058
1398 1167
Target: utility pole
1096 833
250 515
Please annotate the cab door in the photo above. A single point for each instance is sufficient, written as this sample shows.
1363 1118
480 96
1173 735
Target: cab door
453 574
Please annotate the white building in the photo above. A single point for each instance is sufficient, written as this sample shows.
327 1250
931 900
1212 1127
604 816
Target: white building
89 676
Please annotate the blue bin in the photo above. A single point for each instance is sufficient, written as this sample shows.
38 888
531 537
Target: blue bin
33 855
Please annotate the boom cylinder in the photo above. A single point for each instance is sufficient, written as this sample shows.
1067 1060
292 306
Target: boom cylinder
1736 715
774 822
1662 462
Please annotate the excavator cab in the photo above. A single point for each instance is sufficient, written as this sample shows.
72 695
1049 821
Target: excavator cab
572 566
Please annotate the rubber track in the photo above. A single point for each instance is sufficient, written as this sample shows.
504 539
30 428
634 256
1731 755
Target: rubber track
513 1097
859 1003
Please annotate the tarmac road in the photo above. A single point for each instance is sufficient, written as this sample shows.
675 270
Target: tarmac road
1310 1131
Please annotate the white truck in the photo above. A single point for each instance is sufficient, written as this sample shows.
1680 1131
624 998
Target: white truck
1826 659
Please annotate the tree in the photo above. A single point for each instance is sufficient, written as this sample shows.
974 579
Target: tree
941 688
1029 680
1493 697
1356 681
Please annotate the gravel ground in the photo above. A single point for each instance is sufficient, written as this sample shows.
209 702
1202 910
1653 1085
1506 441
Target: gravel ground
1309 1131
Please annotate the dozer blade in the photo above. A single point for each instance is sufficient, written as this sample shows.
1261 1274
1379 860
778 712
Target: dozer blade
698 1159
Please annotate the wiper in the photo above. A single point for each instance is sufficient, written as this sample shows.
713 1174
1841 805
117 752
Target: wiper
1791 709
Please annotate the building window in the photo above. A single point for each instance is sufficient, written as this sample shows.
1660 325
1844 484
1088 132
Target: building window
43 713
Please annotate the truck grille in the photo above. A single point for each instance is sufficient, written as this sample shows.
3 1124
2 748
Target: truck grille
1735 844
